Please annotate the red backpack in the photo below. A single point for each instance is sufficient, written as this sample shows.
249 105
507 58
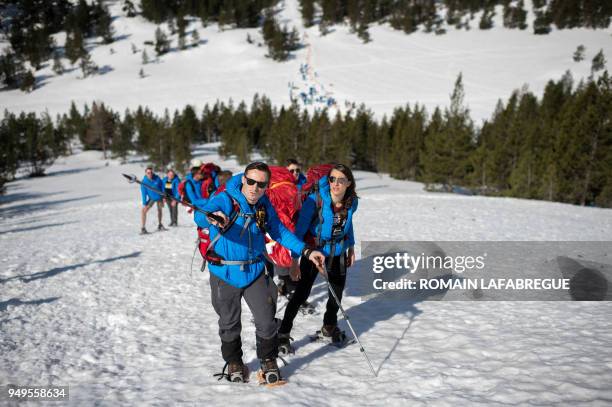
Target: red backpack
287 201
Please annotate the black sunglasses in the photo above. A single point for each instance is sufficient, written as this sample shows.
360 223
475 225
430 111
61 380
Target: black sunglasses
295 171
260 184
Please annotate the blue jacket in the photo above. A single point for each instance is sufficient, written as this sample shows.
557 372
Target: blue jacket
193 190
308 220
146 193
235 244
300 181
175 183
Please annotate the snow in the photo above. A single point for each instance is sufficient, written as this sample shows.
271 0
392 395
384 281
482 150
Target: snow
87 302
392 70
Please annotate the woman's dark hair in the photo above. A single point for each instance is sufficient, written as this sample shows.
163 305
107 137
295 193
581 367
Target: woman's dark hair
258 165
351 192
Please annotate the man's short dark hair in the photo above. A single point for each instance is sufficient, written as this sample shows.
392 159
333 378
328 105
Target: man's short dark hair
258 165
293 161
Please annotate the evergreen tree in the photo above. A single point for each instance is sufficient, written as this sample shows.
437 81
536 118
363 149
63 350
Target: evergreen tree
37 147
195 38
598 63
88 67
11 69
28 82
363 33
141 73
128 8
162 45
100 129
541 24
122 143
134 49
579 53
103 20
307 9
486 21
145 57
58 68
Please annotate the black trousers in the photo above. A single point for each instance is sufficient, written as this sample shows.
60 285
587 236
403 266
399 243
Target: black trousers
337 278
261 297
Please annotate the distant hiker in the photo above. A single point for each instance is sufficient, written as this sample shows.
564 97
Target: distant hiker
171 183
150 198
325 222
295 168
236 263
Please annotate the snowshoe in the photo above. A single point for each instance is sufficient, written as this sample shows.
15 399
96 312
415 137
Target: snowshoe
144 231
307 308
237 372
161 228
332 335
269 374
284 344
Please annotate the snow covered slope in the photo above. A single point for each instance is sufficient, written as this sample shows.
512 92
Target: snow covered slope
392 70
87 302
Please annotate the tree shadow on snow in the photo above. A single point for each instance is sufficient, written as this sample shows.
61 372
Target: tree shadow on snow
30 228
28 208
15 302
58 270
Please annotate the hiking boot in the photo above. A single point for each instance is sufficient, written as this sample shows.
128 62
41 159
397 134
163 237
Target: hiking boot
143 231
284 344
333 333
270 372
237 372
161 228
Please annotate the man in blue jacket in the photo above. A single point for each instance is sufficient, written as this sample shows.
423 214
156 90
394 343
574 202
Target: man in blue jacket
295 168
171 182
150 198
236 264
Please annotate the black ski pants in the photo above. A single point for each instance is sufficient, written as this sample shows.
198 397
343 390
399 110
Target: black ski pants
337 278
261 297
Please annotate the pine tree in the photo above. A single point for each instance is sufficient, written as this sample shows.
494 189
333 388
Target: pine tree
145 57
104 20
486 21
162 45
128 8
182 44
122 143
541 24
58 68
88 67
307 9
11 69
28 82
195 38
141 73
363 33
100 129
579 53
598 63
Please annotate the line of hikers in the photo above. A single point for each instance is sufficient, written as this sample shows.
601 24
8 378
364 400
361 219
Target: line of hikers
273 218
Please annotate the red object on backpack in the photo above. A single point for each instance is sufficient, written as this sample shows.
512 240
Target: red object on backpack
284 197
313 175
204 237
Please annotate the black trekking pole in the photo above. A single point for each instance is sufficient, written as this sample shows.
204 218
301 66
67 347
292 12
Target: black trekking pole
132 178
345 315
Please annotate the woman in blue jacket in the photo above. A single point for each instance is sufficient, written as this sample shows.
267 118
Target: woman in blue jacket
171 182
326 221
236 262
